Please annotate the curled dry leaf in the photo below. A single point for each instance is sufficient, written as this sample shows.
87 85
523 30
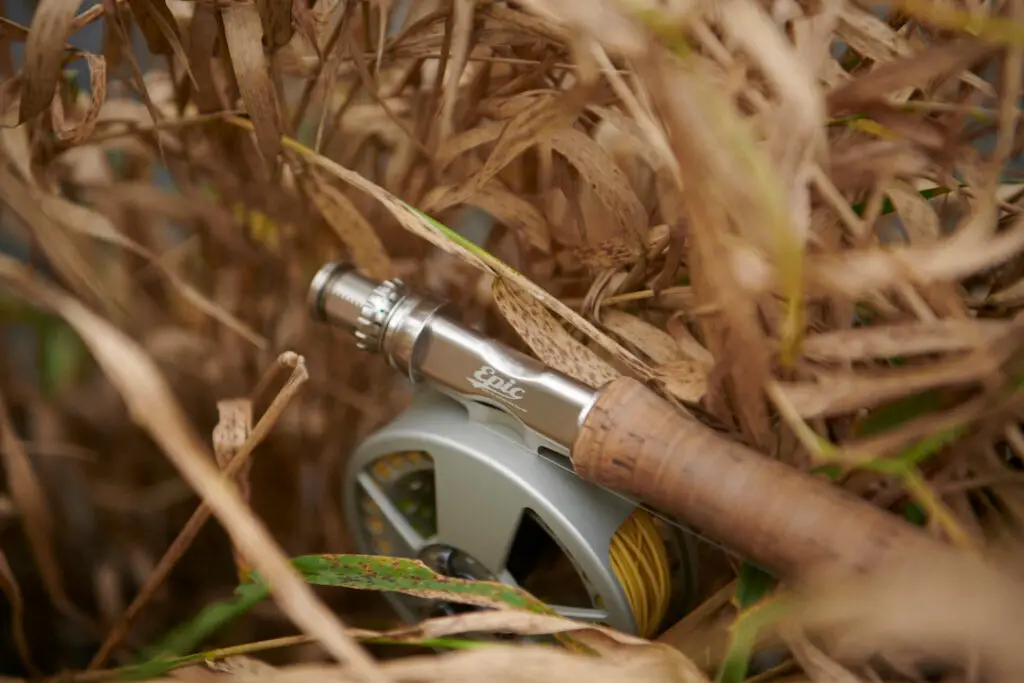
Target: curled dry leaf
547 338
44 51
78 133
616 231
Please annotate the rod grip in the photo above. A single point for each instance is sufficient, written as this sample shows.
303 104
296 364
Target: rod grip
784 520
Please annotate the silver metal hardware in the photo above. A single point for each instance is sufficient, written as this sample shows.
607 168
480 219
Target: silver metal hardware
374 314
482 449
454 490
422 344
419 340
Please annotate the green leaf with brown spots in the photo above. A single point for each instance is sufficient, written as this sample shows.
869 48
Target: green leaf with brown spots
361 572
411 577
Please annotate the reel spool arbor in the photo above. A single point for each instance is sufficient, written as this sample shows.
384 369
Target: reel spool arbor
457 486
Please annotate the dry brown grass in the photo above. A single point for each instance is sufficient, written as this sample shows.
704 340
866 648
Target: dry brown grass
698 193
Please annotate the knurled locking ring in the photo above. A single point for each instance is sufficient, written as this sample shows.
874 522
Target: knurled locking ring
374 314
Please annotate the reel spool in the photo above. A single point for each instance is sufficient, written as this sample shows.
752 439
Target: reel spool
457 486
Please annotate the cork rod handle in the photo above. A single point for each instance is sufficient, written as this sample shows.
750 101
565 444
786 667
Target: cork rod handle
785 520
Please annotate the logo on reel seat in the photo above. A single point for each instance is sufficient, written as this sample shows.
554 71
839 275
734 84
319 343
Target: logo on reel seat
490 380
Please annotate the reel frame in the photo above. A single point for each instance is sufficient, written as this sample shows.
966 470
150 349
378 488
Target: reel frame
487 477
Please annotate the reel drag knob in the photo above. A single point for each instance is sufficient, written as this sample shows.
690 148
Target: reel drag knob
472 500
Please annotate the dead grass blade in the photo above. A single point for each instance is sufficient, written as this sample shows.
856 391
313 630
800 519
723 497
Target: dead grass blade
55 241
503 664
233 429
537 121
938 61
901 340
505 206
357 234
685 379
244 33
656 344
818 665
614 221
44 52
33 510
83 220
919 218
152 405
423 226
857 273
462 34
869 35
605 20
158 27
893 613
11 589
548 339
239 462
460 143
276 19
834 393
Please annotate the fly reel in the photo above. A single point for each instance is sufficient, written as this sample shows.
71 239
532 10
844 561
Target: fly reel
455 484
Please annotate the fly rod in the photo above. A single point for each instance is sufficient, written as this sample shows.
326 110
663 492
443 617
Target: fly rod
622 437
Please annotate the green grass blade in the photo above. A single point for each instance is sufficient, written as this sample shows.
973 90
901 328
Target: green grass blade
211 619
411 577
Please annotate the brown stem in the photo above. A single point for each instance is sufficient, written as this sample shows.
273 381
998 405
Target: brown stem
776 516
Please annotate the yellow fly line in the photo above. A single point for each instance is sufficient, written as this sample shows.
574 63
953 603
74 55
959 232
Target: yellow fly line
641 563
